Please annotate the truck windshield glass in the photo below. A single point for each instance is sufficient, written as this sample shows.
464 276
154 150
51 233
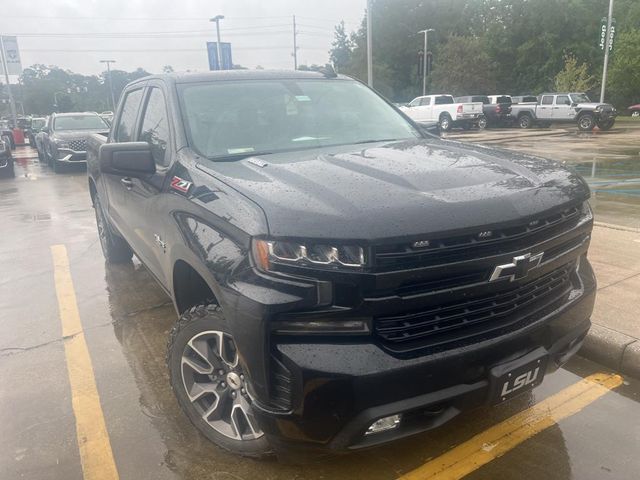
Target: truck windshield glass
251 117
580 98
79 122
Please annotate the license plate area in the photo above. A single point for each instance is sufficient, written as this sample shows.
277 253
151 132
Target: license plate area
510 379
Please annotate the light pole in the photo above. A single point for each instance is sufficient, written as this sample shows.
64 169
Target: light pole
607 45
369 44
217 19
424 59
113 101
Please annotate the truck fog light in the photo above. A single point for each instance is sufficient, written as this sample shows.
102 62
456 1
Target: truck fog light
384 424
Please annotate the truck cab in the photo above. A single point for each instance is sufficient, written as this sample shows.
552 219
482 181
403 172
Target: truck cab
444 110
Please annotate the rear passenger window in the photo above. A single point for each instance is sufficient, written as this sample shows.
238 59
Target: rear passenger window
155 130
127 120
563 100
547 100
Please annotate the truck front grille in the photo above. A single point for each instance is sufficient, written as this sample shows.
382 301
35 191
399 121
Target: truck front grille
454 323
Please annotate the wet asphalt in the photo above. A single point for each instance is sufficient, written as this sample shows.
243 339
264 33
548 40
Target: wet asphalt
126 318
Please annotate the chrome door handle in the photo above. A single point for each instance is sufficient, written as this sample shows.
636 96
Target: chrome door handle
127 182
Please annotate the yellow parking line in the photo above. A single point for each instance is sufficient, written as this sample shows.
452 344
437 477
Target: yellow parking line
499 439
93 440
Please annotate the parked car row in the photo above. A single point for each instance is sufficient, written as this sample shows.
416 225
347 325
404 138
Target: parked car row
62 140
6 160
503 110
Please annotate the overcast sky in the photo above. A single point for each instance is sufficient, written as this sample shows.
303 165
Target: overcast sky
76 34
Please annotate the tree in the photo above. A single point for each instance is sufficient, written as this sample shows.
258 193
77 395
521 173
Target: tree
463 67
574 77
167 69
341 48
623 87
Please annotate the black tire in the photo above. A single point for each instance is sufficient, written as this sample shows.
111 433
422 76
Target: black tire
606 125
586 122
445 122
207 324
635 114
525 121
482 122
115 248
9 171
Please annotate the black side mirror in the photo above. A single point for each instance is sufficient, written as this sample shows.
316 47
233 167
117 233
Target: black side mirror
131 159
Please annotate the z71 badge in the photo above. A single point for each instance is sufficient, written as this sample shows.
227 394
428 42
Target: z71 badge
180 184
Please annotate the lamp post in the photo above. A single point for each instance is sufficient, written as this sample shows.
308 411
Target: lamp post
424 59
607 45
113 101
369 44
217 19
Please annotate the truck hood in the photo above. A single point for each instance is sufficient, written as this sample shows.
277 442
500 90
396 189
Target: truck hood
592 105
397 189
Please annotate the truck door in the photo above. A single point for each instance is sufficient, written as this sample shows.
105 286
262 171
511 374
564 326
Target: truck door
115 185
420 109
545 109
562 109
143 195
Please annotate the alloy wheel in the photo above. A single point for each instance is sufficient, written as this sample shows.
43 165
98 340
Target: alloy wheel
215 385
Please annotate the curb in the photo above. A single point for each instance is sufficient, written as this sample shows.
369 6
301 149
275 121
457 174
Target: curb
613 349
616 227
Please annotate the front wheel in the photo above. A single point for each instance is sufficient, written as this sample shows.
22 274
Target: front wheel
482 122
586 122
210 384
635 114
114 248
606 125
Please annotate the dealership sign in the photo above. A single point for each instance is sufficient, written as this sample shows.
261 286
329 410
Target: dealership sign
11 55
603 33
225 53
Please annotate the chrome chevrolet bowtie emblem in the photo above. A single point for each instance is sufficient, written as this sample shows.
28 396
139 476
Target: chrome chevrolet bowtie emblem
518 268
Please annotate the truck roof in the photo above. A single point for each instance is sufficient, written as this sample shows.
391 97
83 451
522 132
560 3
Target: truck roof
227 75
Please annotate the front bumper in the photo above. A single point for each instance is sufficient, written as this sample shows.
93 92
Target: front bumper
343 388
71 156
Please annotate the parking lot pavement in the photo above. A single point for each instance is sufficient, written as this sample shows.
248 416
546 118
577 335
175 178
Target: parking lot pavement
609 161
83 343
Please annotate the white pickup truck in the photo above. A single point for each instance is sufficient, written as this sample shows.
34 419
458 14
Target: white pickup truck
444 110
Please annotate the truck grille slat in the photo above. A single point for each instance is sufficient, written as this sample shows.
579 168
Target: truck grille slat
449 323
78 145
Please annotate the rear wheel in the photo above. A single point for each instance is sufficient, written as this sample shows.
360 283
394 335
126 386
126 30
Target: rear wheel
635 114
586 122
525 121
482 122
445 122
114 248
210 384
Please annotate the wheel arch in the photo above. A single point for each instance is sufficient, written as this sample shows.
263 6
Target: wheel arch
191 283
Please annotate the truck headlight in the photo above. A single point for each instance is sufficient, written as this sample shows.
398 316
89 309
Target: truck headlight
598 109
269 252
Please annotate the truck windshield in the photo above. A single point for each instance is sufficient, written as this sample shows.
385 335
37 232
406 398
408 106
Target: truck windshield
579 98
79 122
243 118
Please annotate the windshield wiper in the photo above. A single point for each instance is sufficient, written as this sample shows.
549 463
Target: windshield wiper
238 156
378 141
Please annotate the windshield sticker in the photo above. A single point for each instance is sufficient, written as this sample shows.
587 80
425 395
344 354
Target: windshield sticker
180 184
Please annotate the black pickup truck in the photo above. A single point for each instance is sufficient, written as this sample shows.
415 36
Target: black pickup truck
495 114
342 278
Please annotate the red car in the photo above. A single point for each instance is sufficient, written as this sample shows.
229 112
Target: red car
635 110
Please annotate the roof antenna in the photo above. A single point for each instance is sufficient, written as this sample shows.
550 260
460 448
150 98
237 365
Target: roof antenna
328 71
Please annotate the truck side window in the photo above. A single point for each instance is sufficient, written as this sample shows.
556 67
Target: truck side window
547 100
155 130
425 101
127 120
415 102
563 100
